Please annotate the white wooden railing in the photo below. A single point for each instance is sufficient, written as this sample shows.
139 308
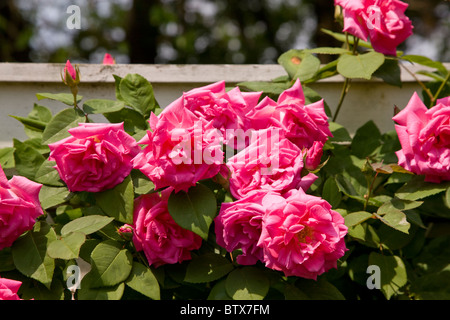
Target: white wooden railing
19 83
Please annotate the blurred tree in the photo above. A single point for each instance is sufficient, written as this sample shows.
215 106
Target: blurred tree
191 31
15 33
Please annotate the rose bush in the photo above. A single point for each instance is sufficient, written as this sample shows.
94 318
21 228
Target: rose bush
249 192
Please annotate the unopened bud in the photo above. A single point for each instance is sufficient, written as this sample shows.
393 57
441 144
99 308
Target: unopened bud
126 232
108 59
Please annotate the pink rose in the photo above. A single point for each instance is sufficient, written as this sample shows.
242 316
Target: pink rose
271 162
301 235
19 207
302 124
181 149
96 157
424 135
225 110
157 234
108 59
238 226
9 289
383 21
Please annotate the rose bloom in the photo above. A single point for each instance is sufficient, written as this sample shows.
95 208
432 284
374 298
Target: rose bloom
383 21
302 124
313 155
181 149
19 207
225 110
238 226
424 135
157 234
9 289
96 157
301 235
271 162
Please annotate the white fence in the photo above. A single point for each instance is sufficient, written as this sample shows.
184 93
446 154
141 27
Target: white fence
19 83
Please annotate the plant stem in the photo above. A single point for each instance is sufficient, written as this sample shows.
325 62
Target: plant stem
433 100
345 89
369 192
419 82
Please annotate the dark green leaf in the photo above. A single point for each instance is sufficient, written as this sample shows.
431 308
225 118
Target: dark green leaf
27 159
144 281
137 92
207 267
110 264
393 274
57 128
96 106
118 202
194 210
247 283
30 254
354 218
367 138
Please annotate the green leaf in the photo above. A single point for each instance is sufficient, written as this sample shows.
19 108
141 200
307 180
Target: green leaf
331 192
317 290
118 202
194 210
327 50
53 196
247 283
7 157
219 291
31 123
67 247
87 292
340 133
207 267
27 159
142 184
57 128
30 253
425 61
96 106
399 204
137 92
117 80
390 72
360 66
417 189
395 219
65 98
269 88
86 225
354 218
40 113
144 281
367 138
48 175
133 120
6 260
447 197
392 273
299 64
110 264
